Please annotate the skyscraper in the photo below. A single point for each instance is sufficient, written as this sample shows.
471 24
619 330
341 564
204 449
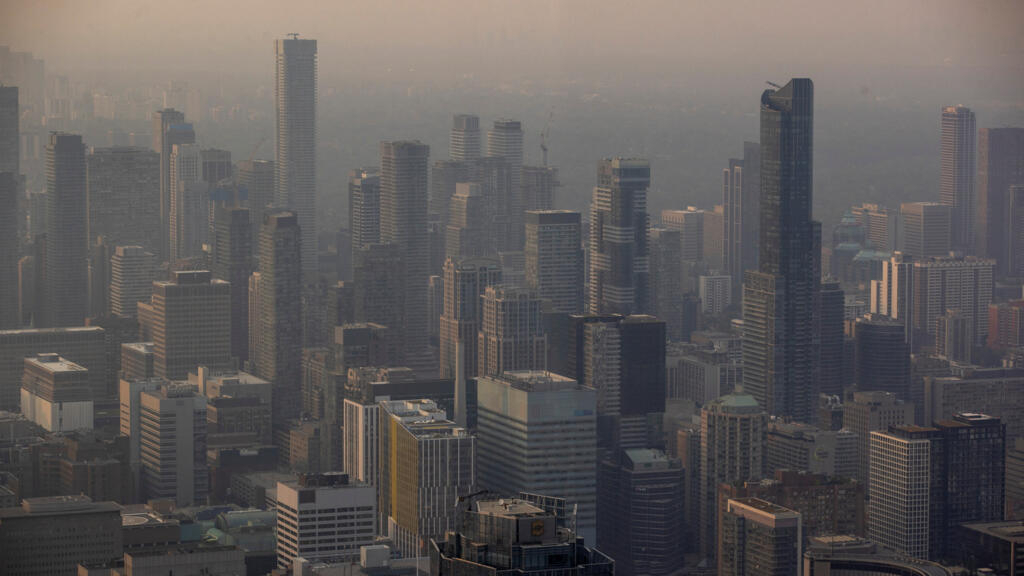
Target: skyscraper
759 537
690 224
191 324
232 262
295 96
958 172
511 333
124 196
505 140
10 146
883 356
279 358
619 273
132 271
189 203
866 412
666 272
403 222
378 295
539 186
464 141
554 258
880 226
781 300
1015 231
1000 166
363 208
65 288
926 228
9 250
833 301
256 177
469 233
464 284
964 284
169 128
172 437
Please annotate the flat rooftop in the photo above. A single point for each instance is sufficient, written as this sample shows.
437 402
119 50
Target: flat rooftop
1011 530
53 363
509 507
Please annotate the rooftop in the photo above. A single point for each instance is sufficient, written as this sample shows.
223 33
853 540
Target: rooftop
764 506
57 505
1011 530
509 507
53 363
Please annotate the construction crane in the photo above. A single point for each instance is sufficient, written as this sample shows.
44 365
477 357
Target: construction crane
294 35
256 149
544 138
772 84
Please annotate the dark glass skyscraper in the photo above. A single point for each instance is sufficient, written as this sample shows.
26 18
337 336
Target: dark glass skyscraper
781 300
66 275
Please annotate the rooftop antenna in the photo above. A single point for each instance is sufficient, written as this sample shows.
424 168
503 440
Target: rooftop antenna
544 138
294 35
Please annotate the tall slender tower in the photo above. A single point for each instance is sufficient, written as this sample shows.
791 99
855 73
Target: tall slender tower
464 143
296 97
505 140
958 168
403 222
10 148
741 199
464 283
169 128
65 289
619 274
1000 166
232 262
554 258
364 207
781 301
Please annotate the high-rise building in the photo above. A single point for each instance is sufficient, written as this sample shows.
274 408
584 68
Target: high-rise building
880 226
10 142
361 451
882 356
1015 231
403 222
741 199
701 375
866 412
511 333
640 511
537 433
796 446
833 304
690 224
781 300
666 271
363 208
1015 480
619 273
256 177
51 536
998 392
10 246
464 141
464 285
169 128
324 518
215 165
714 242
279 319
189 217
941 284
505 140
378 294
172 439
1006 325
295 97
427 464
191 324
893 295
65 300
132 271
83 345
758 537
231 261
444 175
958 173
124 196
732 436
1000 166
554 258
926 229
56 394
469 233
540 183
715 294
953 338
926 481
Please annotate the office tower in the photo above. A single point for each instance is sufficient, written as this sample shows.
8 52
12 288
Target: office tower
215 165
713 241
191 324
172 438
619 273
464 284
468 233
84 346
1015 231
781 299
361 423
554 258
833 301
1015 480
666 271
9 247
893 295
279 319
540 183
866 412
403 222
926 481
51 536
958 172
511 333
1000 166
295 97
464 140
732 436
189 203
444 175
98 274
420 489
378 295
1006 325
732 218
926 229
132 271
964 284
998 392
66 277
256 177
690 224
537 433
363 208
136 361
548 547
803 447
953 338
359 345
324 518
715 294
255 321
505 140
643 365
882 356
880 226
761 538
56 394
702 374
10 144
495 175
169 129
231 261
124 196
640 512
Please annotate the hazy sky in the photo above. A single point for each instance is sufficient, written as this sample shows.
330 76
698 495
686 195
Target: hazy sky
517 37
